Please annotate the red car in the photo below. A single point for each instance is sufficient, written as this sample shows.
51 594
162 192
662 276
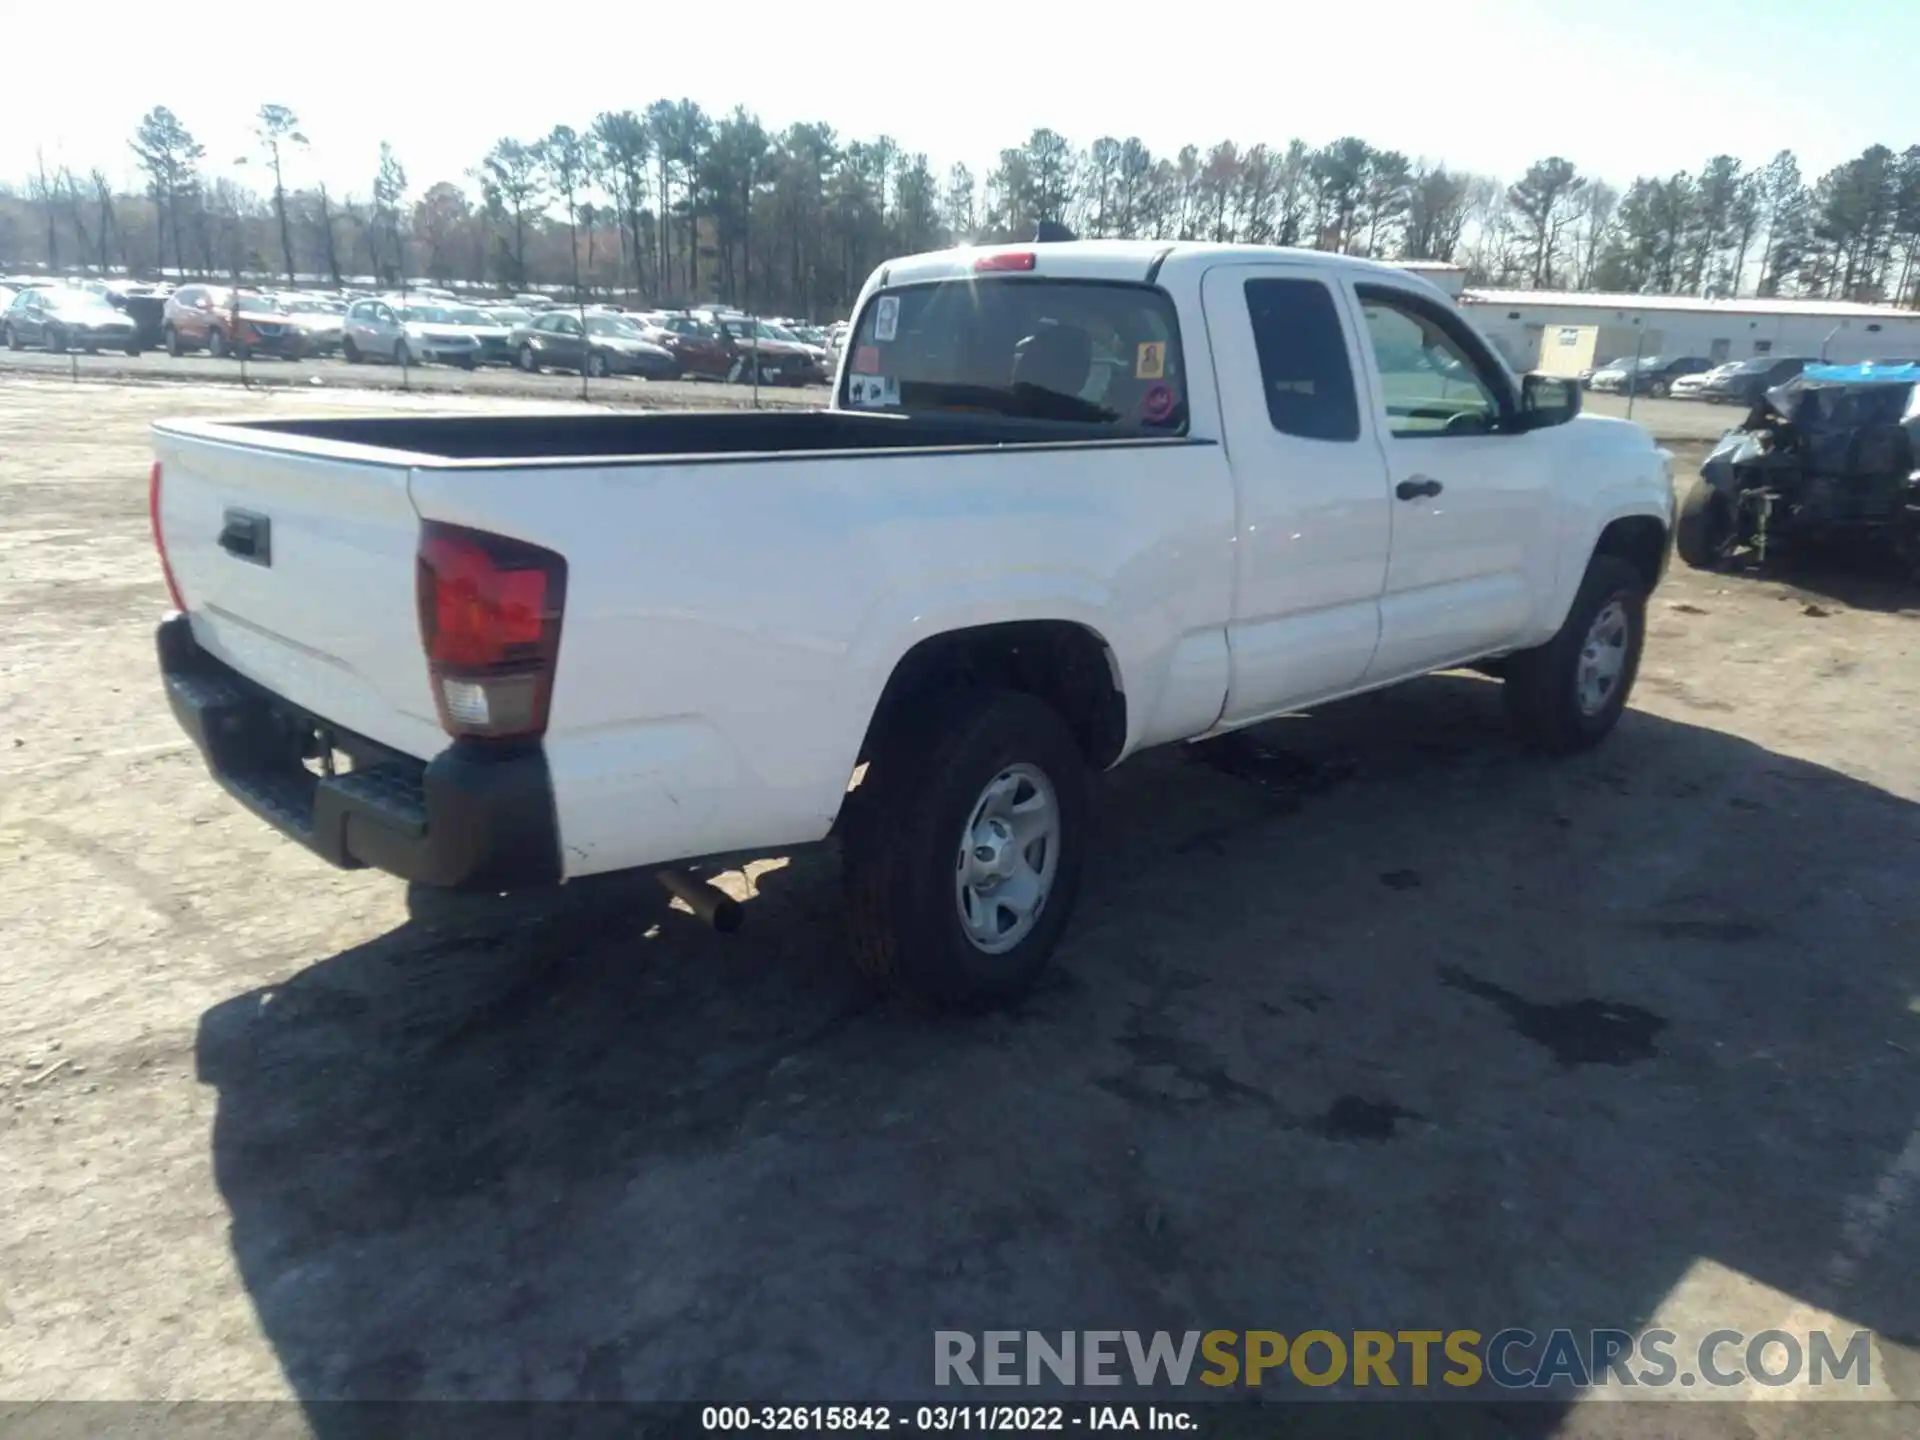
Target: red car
216 319
698 346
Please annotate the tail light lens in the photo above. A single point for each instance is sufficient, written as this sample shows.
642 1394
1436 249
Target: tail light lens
490 612
160 538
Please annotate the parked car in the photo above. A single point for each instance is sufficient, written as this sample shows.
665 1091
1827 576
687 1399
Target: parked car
384 328
508 315
493 341
1653 375
321 320
1747 382
223 322
606 345
697 346
57 318
757 606
780 358
1688 387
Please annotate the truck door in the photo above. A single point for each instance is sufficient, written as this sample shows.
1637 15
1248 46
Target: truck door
1311 538
1472 559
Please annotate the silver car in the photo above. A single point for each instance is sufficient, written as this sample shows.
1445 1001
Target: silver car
385 328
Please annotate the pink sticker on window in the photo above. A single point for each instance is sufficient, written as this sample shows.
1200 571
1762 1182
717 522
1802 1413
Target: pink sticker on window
1157 404
866 360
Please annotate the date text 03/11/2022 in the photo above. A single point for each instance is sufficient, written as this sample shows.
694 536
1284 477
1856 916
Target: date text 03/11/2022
944 1419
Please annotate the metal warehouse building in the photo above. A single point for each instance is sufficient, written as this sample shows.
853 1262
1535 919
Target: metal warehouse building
1564 333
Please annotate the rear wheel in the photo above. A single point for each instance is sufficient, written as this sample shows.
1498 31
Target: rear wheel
528 361
350 351
596 365
964 846
13 338
217 343
56 339
134 349
1567 694
1704 533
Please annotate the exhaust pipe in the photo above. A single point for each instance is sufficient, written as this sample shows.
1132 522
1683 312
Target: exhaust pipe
705 899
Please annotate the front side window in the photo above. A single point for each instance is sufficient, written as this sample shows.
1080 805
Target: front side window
1431 383
1087 353
1303 359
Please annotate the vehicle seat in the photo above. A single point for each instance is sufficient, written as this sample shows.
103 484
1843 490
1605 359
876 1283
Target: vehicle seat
1058 358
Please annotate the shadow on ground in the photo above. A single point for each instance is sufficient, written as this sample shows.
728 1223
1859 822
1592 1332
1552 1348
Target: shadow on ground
1378 1024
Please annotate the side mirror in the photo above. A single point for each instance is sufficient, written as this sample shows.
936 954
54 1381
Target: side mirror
1547 400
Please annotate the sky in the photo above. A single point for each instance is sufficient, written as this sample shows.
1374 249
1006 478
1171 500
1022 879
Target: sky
1620 87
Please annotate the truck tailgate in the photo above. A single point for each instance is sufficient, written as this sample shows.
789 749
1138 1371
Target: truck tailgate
298 571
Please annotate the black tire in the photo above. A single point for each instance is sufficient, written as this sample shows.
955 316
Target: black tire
217 343
924 780
1659 390
596 364
13 339
1703 535
134 350
56 341
527 360
170 338
350 352
469 364
403 355
1542 684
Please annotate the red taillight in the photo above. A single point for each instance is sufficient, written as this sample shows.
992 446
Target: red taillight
490 620
160 538
1006 260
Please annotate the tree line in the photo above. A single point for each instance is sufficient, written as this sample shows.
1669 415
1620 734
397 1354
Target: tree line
668 204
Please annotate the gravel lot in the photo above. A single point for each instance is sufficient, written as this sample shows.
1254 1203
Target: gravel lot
1390 1026
156 367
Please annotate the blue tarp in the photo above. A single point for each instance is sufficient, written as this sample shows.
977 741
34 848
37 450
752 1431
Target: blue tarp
1855 374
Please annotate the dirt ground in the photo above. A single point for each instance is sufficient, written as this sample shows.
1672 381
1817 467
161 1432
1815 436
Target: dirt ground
1390 1026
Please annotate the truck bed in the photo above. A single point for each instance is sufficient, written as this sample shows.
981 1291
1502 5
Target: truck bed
549 438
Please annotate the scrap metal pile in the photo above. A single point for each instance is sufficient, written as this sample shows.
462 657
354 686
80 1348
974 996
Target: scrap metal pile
1832 454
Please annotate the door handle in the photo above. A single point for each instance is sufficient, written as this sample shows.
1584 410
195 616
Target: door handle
1418 486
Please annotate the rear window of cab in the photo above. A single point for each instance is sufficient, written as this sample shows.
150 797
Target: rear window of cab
1095 354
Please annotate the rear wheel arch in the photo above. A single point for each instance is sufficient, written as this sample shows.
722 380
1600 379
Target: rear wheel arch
1067 664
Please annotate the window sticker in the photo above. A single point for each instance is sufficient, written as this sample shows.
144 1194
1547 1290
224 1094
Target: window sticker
1157 404
1150 361
872 392
886 318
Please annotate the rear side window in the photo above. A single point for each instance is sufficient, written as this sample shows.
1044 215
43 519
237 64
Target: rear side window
1098 354
1304 368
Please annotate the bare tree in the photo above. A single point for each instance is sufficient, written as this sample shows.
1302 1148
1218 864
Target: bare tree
278 129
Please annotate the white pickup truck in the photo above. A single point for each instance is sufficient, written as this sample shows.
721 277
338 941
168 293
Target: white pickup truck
1070 501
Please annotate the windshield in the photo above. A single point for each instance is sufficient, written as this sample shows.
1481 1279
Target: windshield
1090 353
309 307
508 316
76 300
617 325
467 315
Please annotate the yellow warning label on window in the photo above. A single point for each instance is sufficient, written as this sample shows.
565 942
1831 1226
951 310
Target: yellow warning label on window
1151 361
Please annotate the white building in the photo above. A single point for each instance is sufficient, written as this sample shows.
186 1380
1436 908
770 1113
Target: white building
1564 333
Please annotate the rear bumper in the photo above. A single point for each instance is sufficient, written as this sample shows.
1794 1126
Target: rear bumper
471 818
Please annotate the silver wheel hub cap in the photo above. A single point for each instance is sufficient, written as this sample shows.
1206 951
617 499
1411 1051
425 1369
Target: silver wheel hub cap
1009 854
1603 658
